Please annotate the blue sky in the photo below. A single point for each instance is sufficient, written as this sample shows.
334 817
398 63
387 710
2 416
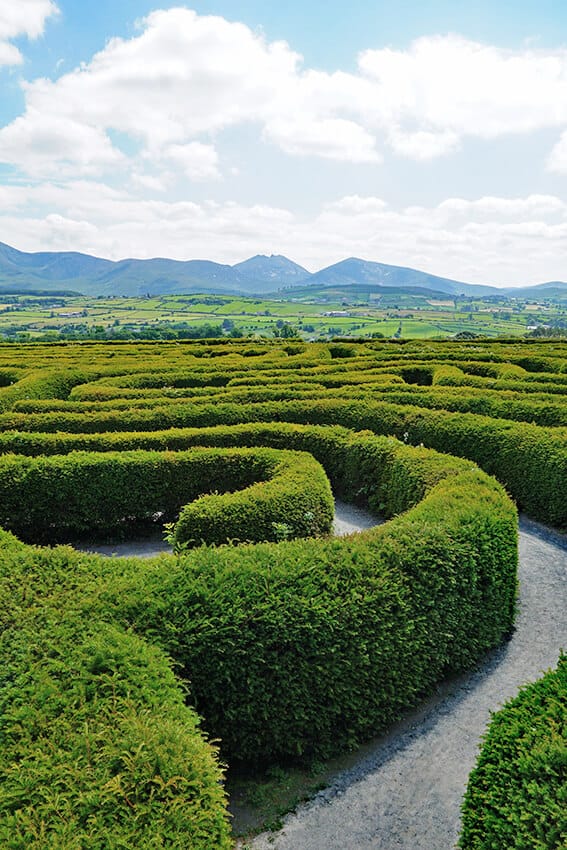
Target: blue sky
428 134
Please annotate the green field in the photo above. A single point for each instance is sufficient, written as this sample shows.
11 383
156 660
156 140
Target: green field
26 316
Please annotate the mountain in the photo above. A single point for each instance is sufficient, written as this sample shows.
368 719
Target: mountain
555 289
267 272
162 276
258 275
355 271
94 276
25 268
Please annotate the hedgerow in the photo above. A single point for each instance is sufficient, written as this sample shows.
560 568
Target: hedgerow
51 498
531 461
517 793
286 650
331 640
377 621
97 746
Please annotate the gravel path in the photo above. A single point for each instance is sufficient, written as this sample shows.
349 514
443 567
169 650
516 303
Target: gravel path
348 518
404 793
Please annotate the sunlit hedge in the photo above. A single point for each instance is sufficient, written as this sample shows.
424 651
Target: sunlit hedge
52 498
97 746
517 794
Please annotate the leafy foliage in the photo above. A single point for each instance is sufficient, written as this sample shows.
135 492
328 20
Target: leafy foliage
288 650
517 794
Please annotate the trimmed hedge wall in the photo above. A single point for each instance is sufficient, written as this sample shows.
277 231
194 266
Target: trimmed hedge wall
529 460
97 748
301 649
517 794
296 501
54 498
289 650
295 649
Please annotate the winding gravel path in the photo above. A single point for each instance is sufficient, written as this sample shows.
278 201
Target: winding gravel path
405 792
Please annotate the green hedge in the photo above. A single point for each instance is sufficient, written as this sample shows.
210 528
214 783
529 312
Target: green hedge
531 461
303 648
289 650
42 384
517 794
296 501
542 409
502 404
97 748
54 498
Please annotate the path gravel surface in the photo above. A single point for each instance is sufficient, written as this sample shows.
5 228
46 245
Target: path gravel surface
404 792
348 518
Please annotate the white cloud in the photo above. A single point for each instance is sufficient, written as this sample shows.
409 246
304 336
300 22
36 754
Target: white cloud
196 160
332 138
490 207
153 182
422 144
450 85
45 145
21 18
557 160
182 78
185 78
9 55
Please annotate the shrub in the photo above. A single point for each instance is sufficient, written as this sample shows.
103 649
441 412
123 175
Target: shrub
54 498
296 501
302 648
97 746
517 794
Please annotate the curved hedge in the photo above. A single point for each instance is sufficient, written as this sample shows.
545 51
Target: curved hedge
304 647
295 501
517 793
299 648
81 493
531 461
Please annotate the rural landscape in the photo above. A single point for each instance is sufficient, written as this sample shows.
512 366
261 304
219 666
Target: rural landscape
60 295
283 425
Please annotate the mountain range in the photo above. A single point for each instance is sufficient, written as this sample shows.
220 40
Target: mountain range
260 275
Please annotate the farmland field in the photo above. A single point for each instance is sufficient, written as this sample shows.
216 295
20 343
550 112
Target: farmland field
309 315
263 640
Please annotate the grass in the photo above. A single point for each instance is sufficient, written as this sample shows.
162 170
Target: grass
260 801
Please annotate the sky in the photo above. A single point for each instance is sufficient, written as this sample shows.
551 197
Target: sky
421 133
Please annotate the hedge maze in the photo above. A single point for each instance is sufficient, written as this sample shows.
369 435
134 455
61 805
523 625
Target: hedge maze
127 684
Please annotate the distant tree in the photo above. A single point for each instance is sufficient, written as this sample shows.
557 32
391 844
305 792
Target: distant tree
465 335
286 331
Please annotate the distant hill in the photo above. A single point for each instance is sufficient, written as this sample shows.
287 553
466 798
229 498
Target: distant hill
355 271
267 272
353 293
259 275
554 289
30 269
